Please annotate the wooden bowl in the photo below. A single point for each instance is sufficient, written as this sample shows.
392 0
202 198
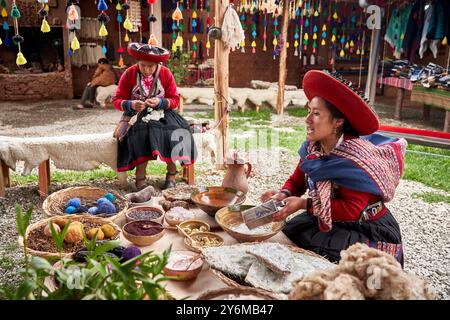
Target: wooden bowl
173 222
193 224
211 199
129 217
180 269
230 217
143 240
199 235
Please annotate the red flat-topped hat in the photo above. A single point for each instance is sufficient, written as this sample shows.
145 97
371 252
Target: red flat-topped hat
148 52
339 93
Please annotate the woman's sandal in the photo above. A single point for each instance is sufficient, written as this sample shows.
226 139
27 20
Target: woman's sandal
141 183
170 183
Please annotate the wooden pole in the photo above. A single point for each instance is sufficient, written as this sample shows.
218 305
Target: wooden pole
283 58
221 53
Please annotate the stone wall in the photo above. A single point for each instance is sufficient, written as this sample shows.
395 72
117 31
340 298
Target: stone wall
52 85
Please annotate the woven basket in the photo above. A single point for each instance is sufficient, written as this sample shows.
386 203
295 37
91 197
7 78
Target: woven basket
55 203
55 255
261 294
226 219
234 284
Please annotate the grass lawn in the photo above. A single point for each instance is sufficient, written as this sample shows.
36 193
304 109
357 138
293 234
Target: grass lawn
430 166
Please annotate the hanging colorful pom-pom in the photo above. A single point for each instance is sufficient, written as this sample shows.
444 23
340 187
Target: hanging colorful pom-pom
1 42
4 13
194 39
274 42
104 50
342 53
127 24
179 41
126 39
333 38
177 15
73 14
120 62
358 52
208 44
75 44
20 60
102 6
323 42
119 18
153 41
118 6
45 27
174 47
444 41
103 32
15 13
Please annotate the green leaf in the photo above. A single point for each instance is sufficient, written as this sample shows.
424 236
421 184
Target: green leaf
59 237
105 247
40 263
25 289
22 221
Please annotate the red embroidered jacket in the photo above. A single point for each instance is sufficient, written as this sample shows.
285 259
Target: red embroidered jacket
347 206
128 82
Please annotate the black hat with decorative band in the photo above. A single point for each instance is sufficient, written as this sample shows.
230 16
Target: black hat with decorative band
348 100
148 52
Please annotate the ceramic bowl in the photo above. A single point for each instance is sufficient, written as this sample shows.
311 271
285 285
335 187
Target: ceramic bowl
193 226
203 238
211 199
185 265
129 213
147 233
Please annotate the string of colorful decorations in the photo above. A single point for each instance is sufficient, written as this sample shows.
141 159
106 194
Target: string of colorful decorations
17 38
73 24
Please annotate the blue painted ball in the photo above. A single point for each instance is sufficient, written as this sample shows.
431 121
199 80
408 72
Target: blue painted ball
74 202
110 197
70 210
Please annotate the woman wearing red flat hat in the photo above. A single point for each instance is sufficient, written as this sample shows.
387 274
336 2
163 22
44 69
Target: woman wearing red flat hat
147 93
349 171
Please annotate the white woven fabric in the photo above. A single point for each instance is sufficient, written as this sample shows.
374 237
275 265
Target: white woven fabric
232 33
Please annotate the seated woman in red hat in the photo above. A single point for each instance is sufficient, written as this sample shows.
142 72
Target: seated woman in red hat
350 172
158 130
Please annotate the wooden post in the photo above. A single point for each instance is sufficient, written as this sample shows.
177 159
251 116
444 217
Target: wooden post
4 178
399 103
283 58
426 112
221 53
446 121
44 178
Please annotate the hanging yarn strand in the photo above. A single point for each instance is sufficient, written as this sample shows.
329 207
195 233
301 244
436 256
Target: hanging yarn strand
45 27
18 39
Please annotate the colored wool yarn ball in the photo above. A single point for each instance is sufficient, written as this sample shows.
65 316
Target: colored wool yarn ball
101 200
74 202
106 207
93 210
81 209
70 210
110 197
130 253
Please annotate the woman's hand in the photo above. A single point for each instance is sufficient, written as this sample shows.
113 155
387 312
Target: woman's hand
292 204
153 102
272 194
138 105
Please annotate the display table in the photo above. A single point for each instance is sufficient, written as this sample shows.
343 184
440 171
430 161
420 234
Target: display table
433 97
206 280
401 85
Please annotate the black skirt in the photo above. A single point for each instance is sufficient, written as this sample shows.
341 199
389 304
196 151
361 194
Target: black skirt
169 138
383 232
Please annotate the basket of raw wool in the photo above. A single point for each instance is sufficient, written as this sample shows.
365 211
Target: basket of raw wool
56 203
237 293
40 242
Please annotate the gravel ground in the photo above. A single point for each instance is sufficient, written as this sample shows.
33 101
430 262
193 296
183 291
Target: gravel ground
425 227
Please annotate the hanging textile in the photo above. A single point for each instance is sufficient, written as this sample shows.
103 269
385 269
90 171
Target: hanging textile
396 28
232 33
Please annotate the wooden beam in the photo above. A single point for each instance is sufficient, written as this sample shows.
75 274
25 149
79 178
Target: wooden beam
221 53
283 58
4 178
399 103
44 178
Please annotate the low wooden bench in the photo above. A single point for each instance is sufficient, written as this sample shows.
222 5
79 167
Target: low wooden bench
39 155
45 177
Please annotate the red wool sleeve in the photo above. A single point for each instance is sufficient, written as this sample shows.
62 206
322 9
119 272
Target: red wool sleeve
296 183
170 87
124 88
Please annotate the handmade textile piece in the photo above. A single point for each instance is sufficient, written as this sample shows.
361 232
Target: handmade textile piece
232 33
372 164
396 29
